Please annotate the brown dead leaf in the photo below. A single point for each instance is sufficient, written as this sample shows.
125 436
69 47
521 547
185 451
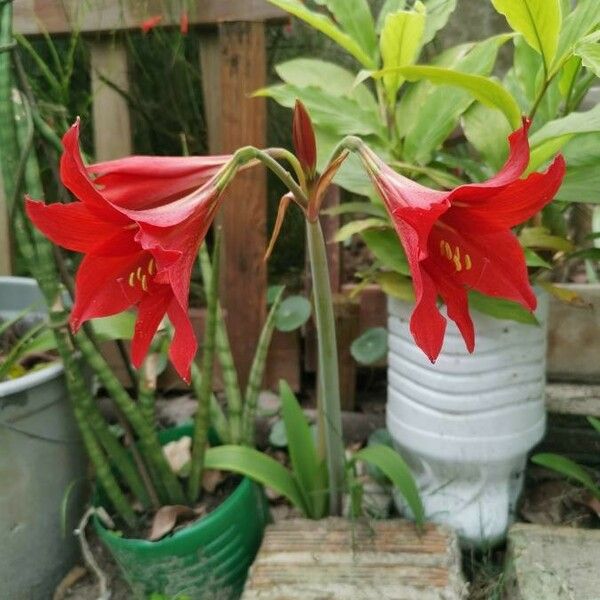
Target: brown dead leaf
211 479
166 518
178 453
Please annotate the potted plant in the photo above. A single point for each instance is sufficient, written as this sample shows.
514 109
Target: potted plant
463 401
41 454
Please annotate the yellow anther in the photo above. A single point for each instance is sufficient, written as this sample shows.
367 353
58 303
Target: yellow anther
468 263
456 253
132 279
151 267
144 283
442 251
457 263
448 250
138 273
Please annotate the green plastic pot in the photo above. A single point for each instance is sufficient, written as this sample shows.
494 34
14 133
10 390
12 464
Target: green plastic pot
208 560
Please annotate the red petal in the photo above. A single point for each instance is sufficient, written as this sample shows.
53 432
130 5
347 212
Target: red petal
101 287
426 323
184 23
457 305
150 23
520 200
184 345
200 203
490 261
139 182
303 136
151 309
72 226
75 178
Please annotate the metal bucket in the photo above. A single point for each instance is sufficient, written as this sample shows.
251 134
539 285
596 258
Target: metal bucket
42 470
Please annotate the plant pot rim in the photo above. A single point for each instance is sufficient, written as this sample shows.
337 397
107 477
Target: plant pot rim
31 379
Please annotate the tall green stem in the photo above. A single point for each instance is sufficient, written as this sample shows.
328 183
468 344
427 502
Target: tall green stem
329 400
208 358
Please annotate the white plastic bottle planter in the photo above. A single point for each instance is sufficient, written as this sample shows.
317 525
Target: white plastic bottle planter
466 423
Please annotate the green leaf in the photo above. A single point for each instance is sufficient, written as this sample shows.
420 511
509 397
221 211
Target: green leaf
501 309
328 77
485 90
258 466
396 285
116 327
365 208
370 347
540 237
293 312
487 130
325 25
355 18
386 247
390 6
582 20
400 43
349 229
438 12
396 470
581 184
535 260
576 122
595 423
589 53
343 116
537 20
567 467
273 292
303 455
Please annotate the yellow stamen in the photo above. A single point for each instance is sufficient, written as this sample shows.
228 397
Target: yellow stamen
145 283
151 267
132 279
138 273
448 250
468 263
457 263
442 252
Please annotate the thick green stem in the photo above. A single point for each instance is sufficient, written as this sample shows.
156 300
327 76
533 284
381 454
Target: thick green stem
223 348
217 417
202 421
257 372
329 401
149 443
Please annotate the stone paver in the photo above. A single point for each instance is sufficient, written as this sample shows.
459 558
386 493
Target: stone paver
337 559
553 563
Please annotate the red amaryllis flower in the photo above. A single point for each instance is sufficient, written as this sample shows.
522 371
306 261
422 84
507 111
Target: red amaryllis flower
461 239
184 23
139 226
150 23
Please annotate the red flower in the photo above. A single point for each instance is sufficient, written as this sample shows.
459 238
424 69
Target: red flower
150 23
184 23
139 224
461 239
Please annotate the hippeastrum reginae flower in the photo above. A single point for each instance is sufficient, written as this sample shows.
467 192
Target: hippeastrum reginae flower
460 239
140 224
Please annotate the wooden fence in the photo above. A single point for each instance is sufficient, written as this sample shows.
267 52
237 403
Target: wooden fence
233 64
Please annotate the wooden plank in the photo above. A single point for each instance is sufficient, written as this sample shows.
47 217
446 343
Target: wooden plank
110 113
33 17
340 559
233 65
